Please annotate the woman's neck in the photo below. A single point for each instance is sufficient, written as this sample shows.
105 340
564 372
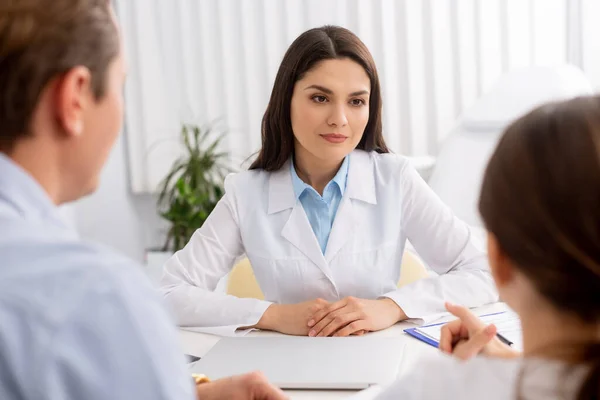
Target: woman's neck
315 172
548 333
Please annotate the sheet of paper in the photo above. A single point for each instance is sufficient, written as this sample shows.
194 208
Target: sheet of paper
226 331
507 323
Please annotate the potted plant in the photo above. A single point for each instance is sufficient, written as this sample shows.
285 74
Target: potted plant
190 190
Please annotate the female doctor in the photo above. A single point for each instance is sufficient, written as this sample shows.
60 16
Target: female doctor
324 213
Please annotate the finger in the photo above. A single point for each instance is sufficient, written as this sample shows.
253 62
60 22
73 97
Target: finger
316 329
339 322
451 333
318 305
259 388
466 349
470 320
359 333
475 344
356 326
270 392
319 315
315 308
448 335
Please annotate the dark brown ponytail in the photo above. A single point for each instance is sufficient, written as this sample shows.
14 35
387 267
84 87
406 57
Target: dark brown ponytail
540 198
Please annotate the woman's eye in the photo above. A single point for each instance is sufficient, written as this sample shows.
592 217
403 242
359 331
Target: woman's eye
357 102
319 99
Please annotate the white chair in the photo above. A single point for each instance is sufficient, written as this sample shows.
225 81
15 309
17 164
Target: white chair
460 165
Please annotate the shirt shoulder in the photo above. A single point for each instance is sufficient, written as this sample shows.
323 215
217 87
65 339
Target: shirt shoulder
440 376
391 175
74 314
47 270
248 179
388 167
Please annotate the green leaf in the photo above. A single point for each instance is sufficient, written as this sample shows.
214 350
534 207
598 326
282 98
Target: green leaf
194 184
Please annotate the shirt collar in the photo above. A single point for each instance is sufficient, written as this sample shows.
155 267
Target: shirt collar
340 178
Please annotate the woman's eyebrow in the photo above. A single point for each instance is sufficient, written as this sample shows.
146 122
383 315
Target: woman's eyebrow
321 88
329 91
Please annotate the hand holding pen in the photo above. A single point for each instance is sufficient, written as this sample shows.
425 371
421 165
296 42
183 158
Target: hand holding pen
468 336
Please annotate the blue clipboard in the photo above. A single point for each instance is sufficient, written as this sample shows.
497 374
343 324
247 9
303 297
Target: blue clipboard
413 332
432 342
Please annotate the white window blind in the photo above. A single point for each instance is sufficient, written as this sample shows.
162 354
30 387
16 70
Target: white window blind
196 61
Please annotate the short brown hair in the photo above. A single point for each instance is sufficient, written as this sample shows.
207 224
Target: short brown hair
310 48
41 39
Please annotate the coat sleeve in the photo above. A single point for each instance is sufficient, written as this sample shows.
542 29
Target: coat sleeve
191 275
447 246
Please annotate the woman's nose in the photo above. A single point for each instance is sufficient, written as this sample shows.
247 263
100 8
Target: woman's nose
338 116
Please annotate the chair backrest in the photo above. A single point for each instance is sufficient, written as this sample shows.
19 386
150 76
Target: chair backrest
459 168
242 282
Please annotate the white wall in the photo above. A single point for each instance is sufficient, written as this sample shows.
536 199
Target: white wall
590 40
116 217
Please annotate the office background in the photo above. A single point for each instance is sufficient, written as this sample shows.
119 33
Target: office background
214 61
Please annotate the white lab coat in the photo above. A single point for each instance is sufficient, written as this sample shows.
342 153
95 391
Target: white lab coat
385 204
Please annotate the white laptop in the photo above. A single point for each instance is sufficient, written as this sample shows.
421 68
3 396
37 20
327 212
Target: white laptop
292 362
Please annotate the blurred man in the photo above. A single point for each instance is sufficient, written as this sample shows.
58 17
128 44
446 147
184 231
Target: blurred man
76 321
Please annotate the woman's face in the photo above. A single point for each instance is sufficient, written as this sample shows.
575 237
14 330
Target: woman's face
330 110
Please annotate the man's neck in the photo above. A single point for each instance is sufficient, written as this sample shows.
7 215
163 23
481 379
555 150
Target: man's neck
42 164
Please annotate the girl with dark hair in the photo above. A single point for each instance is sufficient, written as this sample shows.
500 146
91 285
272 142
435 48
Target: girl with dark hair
324 213
540 202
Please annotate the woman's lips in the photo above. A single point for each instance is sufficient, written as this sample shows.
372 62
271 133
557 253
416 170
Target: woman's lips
334 137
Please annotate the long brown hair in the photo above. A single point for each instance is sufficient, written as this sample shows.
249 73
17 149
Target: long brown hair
310 48
541 199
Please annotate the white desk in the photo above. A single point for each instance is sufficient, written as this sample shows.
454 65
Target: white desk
198 344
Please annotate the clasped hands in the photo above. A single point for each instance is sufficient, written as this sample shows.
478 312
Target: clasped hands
320 318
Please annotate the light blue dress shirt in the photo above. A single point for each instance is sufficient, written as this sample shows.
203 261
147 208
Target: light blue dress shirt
321 210
76 320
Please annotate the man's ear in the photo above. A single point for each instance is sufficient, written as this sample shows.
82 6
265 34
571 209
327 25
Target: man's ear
501 266
73 94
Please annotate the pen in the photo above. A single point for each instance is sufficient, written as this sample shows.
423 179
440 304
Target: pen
504 340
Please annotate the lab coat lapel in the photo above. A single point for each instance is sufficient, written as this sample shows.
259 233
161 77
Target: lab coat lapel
360 186
297 229
343 229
